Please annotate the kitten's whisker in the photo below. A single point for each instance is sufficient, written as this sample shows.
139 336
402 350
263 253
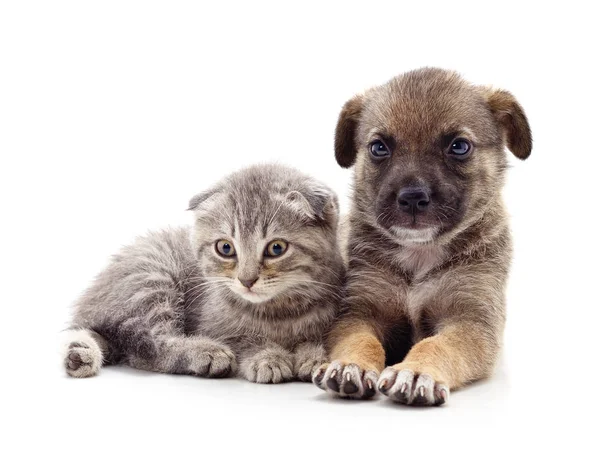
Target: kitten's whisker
205 284
301 281
203 292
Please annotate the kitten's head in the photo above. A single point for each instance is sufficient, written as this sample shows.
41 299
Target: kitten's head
266 231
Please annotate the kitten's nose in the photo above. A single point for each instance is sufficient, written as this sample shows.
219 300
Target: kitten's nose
248 283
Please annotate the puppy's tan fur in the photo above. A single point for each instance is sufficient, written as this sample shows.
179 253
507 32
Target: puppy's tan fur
433 308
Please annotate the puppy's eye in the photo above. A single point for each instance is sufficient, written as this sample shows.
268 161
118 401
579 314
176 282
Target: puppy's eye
225 248
379 150
276 248
460 148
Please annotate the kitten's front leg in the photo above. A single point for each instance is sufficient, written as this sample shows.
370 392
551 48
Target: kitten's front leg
195 355
307 358
267 364
207 358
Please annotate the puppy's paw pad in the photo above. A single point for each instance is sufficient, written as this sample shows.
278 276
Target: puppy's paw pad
407 387
346 380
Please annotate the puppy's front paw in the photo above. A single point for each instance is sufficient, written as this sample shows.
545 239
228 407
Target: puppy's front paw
346 380
307 358
212 360
408 386
269 366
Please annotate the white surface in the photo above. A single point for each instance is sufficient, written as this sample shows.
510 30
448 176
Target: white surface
113 114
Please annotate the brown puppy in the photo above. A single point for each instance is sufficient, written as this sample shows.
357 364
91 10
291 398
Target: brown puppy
429 244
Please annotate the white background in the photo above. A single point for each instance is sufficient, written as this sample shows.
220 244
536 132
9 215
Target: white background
114 113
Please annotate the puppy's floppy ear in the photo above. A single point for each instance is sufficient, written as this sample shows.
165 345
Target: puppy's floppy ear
510 116
316 203
202 200
345 131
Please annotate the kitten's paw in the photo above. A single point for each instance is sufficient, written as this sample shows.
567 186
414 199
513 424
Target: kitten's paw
212 361
407 386
270 366
307 358
82 360
346 380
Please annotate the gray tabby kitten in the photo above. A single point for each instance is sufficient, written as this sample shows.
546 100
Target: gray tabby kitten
255 282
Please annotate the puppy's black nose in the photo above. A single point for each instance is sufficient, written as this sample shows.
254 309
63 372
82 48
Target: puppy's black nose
413 199
249 282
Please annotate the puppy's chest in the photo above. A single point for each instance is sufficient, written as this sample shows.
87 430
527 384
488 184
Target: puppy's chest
421 298
419 260
422 282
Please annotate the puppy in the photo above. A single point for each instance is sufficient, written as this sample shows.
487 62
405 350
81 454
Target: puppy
429 244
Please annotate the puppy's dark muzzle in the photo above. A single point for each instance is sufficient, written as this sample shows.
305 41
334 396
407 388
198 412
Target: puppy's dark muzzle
413 199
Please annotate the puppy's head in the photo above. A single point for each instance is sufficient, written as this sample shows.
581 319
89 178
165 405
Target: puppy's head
429 151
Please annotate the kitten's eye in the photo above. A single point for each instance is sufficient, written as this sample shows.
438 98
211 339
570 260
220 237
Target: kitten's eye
379 150
225 248
460 148
276 248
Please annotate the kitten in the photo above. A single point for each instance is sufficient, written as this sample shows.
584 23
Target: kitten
255 283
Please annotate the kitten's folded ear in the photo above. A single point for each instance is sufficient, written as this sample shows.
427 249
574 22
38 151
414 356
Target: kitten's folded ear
318 203
202 200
